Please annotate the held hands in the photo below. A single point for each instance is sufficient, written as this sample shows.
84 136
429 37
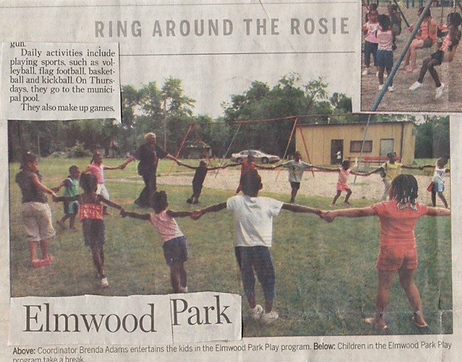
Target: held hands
195 215
327 216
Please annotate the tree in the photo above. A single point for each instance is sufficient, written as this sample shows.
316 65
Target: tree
177 109
288 98
432 139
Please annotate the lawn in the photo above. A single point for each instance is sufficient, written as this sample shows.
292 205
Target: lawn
326 276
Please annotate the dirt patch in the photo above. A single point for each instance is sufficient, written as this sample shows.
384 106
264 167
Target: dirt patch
322 184
423 99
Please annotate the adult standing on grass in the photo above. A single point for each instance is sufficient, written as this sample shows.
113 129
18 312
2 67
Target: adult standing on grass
36 212
398 252
148 154
389 170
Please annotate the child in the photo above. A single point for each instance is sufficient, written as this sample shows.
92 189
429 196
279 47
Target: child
97 168
342 185
246 165
438 181
389 170
445 53
397 244
372 7
371 41
385 39
296 168
91 216
425 38
36 212
71 188
253 228
175 245
198 179
395 21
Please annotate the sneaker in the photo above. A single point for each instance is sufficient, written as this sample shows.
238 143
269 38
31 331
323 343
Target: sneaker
415 86
189 201
104 283
366 71
380 87
196 201
256 313
183 289
269 317
439 91
391 88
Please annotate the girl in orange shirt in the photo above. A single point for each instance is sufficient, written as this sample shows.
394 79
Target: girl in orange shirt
397 244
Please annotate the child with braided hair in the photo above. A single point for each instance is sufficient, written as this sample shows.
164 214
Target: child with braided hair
91 216
397 252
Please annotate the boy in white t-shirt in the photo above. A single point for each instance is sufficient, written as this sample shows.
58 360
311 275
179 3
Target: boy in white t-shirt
253 234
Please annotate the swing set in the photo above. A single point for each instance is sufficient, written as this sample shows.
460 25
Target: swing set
295 119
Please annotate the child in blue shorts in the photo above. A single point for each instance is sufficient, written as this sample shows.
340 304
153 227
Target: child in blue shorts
385 39
253 234
175 245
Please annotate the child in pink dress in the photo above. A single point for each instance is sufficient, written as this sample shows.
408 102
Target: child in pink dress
342 185
397 252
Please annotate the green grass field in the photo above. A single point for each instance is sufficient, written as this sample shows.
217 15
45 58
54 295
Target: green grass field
326 276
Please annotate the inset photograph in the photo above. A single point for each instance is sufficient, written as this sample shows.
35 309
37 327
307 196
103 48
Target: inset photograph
410 57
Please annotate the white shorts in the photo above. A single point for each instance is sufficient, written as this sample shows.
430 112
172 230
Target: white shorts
37 221
102 190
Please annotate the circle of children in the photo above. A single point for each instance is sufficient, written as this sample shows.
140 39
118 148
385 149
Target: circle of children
381 31
253 216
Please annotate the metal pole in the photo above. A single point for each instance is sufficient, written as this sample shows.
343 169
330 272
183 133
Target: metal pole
401 12
400 59
363 143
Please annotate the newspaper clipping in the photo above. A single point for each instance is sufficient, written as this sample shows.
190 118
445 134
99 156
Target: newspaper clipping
210 180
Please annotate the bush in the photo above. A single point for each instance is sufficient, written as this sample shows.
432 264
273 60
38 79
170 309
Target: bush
78 151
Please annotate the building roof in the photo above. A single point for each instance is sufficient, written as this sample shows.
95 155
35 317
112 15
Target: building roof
352 124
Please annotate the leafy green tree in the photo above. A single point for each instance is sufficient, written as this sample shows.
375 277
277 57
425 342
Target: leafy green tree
432 139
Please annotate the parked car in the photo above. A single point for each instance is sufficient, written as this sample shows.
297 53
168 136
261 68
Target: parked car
258 156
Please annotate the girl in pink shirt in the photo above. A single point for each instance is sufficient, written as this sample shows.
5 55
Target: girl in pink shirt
425 38
397 244
385 39
97 168
175 245
342 185
370 43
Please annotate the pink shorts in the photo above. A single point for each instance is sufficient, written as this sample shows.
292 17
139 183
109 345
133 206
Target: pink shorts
396 257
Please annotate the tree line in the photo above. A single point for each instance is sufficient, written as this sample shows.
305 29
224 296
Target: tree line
168 112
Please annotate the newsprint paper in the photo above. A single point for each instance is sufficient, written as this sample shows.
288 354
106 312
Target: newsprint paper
72 68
